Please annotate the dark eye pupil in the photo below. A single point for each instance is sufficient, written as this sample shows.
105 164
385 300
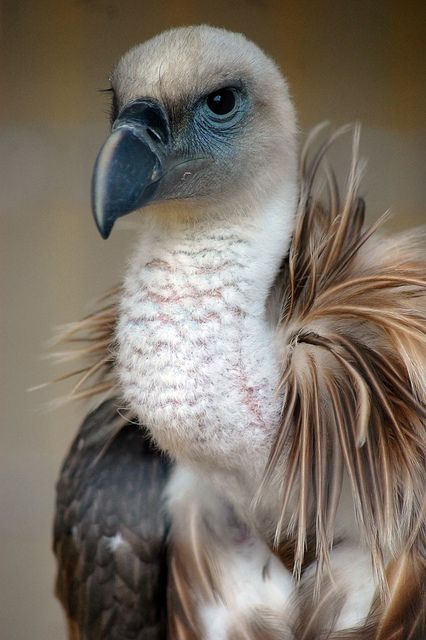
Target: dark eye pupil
221 102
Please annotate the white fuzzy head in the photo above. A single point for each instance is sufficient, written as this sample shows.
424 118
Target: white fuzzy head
245 158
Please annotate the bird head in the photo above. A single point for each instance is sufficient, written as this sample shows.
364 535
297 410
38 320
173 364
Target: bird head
202 118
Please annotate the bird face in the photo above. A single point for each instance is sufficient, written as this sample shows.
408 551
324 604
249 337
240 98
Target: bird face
200 117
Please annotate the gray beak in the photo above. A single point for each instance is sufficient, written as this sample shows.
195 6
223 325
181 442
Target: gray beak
130 163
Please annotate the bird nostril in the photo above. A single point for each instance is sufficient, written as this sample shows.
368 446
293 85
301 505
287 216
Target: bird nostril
154 135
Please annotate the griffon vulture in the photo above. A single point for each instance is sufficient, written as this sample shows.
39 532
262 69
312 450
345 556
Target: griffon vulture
257 469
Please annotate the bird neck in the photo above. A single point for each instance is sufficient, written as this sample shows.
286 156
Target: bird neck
246 242
197 358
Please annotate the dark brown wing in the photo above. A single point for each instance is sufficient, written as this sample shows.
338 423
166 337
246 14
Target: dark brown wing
110 532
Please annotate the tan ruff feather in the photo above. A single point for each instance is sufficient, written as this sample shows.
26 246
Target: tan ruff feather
353 327
95 337
354 331
194 576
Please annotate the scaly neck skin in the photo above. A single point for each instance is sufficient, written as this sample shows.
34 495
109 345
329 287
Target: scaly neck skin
196 358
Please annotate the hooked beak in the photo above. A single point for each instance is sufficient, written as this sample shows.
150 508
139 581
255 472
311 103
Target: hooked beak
130 164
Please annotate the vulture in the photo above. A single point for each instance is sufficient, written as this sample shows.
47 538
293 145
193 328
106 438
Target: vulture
254 468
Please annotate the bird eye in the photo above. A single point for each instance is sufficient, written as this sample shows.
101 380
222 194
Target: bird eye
223 103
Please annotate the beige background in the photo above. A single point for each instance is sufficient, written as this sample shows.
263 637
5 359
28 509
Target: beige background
345 60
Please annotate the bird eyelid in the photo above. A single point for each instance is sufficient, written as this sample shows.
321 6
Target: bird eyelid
227 83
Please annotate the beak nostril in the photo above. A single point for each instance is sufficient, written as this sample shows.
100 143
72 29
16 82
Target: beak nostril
154 135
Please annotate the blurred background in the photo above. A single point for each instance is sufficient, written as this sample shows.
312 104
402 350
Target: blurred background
345 61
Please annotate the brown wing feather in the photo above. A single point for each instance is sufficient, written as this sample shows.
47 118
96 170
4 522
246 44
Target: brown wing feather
109 489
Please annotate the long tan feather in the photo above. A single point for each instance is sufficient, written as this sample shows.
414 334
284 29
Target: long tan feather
354 331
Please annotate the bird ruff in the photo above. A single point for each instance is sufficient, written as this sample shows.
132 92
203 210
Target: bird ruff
352 333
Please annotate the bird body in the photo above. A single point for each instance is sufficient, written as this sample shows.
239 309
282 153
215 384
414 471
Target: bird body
273 348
